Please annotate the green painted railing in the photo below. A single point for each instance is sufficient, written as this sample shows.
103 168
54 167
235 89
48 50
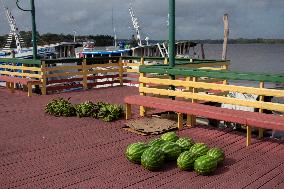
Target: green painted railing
23 61
226 75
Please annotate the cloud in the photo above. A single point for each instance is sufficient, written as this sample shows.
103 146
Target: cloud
195 19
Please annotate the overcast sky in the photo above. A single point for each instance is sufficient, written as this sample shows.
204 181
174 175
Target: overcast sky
195 19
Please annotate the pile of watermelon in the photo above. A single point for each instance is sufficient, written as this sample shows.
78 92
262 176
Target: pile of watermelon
169 147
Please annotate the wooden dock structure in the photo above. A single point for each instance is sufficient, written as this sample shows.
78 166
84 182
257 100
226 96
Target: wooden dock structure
40 151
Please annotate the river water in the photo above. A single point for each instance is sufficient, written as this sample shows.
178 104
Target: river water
262 58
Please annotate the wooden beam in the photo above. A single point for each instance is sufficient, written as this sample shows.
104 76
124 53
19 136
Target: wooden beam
226 35
128 111
214 98
214 86
248 141
85 74
120 71
43 78
142 108
180 120
261 99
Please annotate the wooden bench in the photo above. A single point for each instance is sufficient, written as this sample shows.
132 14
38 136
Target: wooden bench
11 81
249 119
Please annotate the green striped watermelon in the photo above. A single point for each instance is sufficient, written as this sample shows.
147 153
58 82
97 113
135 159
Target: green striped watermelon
171 150
185 143
186 160
217 154
153 158
156 142
134 152
205 165
199 149
170 136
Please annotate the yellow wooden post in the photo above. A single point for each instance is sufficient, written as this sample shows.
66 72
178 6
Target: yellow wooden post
120 64
128 111
180 120
30 92
189 118
193 117
187 79
225 67
166 60
261 99
85 80
8 85
248 142
142 108
12 87
43 78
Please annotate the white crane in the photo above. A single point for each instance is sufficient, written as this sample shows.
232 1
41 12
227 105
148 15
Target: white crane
13 31
135 24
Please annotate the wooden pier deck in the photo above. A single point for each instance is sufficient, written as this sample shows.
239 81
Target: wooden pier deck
40 151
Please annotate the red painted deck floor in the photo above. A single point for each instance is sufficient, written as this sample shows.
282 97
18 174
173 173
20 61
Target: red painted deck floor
40 151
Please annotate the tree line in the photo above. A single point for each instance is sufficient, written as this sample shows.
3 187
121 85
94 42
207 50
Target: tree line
242 41
51 38
106 40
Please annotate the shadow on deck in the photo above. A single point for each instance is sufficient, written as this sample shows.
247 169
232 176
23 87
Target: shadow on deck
40 151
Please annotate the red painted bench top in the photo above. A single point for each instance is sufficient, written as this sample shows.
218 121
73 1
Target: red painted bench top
266 121
23 81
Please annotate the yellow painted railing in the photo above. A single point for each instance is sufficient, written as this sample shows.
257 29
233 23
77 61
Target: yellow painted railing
126 68
21 71
213 98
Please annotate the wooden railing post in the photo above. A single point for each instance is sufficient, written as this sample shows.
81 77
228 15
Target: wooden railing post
120 64
261 99
180 120
248 142
128 111
226 36
191 119
194 90
85 74
225 67
166 60
142 108
43 78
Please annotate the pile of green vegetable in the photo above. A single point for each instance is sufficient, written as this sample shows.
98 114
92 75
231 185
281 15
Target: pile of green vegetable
169 147
60 107
100 110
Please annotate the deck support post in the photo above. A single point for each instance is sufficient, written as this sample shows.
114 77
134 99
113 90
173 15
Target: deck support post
180 120
248 142
30 90
12 87
190 120
128 111
85 80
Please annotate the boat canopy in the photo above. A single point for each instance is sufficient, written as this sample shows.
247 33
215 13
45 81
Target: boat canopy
106 52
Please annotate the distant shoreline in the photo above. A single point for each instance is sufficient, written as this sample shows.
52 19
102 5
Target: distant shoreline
242 41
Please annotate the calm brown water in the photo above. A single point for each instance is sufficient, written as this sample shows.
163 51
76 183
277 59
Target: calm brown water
263 58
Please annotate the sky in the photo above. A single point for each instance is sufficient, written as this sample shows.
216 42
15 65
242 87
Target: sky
195 19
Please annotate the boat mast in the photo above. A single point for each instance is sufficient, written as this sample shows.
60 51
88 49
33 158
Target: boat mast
13 31
114 30
135 24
